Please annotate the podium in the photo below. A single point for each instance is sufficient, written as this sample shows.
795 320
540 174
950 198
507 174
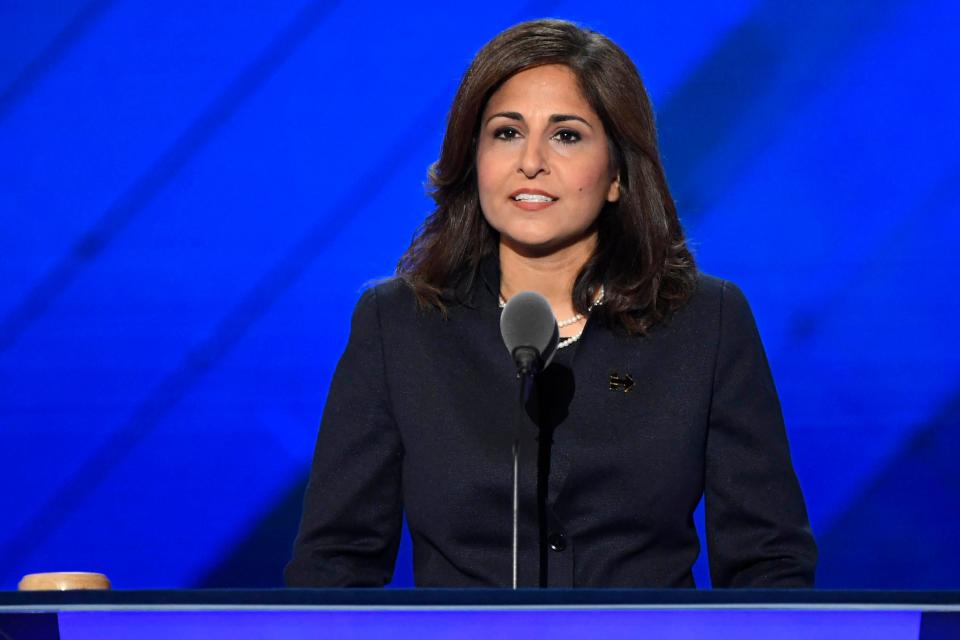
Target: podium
429 614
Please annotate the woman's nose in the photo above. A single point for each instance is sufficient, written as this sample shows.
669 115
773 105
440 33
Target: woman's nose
533 160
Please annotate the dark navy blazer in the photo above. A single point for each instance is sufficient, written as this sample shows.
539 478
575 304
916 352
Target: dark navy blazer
421 416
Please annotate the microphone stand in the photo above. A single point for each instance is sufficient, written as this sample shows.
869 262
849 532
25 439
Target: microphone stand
516 505
528 364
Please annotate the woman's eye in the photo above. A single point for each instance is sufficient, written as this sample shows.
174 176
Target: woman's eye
506 133
567 136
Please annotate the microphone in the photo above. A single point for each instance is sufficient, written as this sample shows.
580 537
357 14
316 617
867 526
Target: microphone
530 332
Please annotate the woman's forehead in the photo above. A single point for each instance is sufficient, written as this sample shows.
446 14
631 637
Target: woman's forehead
552 88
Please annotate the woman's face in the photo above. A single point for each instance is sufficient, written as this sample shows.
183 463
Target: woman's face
543 168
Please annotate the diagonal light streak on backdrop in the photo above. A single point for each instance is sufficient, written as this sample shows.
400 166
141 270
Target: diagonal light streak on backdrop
52 54
742 80
169 164
805 324
861 522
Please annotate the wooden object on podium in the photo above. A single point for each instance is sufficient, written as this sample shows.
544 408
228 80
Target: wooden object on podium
63 581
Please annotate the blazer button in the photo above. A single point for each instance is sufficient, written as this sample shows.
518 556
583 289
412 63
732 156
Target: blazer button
557 541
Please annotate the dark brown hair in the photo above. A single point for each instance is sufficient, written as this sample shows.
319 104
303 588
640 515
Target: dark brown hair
641 257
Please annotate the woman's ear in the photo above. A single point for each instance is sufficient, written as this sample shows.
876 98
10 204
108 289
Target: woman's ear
613 194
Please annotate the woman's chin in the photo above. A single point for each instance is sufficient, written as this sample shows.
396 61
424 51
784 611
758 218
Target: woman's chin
538 246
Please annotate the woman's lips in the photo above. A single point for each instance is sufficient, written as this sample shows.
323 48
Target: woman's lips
532 199
526 191
532 205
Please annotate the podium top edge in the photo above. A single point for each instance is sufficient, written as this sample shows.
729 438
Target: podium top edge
479 598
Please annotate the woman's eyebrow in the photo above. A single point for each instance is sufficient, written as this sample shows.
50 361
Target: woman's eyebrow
557 117
511 115
563 117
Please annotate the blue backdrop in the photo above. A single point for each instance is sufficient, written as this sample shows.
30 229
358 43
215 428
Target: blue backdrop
193 194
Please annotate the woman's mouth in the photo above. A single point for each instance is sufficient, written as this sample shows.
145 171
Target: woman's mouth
532 199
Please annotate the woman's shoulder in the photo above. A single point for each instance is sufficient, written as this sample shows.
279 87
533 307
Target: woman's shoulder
389 290
714 287
390 296
715 300
713 290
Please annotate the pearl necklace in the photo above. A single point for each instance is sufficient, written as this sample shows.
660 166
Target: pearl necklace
566 342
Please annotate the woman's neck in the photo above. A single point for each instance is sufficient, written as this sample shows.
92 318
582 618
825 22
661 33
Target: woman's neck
552 275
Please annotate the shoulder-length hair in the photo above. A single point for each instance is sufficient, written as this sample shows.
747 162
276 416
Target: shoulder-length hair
641 258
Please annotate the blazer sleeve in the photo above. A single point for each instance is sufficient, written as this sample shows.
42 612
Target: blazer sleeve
758 534
352 513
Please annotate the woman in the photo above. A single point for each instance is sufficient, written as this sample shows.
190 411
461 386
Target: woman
550 180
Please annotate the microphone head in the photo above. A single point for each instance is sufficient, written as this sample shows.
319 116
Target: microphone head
527 322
